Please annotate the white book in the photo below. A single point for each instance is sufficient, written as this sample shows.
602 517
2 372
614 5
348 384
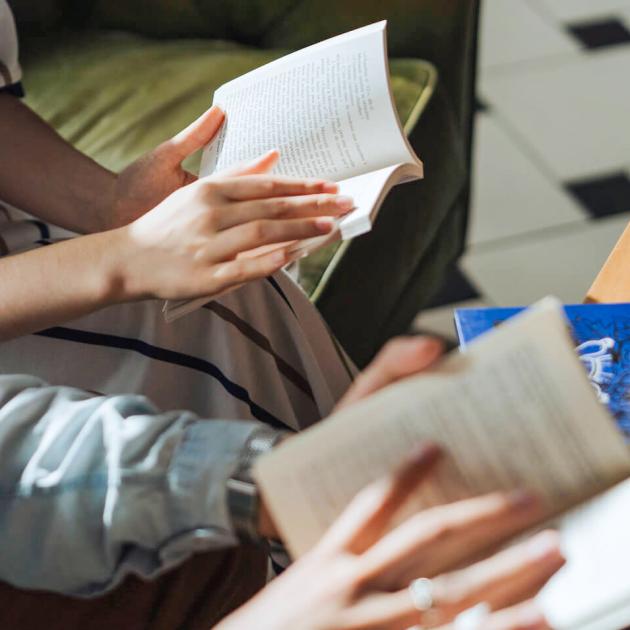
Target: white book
515 410
329 109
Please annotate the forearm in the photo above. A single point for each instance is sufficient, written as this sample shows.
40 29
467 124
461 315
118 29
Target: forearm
43 174
97 487
60 282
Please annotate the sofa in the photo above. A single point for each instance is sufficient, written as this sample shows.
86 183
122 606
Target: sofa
117 78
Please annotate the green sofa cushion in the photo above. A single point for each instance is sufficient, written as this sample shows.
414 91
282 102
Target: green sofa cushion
116 96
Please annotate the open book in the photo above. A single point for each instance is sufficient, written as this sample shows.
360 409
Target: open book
329 110
515 410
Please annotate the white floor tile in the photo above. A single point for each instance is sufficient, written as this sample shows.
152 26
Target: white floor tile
512 31
574 114
580 10
563 265
511 196
439 321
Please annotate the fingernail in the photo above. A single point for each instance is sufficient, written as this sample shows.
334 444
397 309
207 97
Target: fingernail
429 344
279 258
545 544
531 619
298 255
426 451
345 203
522 499
324 225
329 187
475 617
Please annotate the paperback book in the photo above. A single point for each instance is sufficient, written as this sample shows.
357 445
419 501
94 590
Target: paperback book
515 410
329 109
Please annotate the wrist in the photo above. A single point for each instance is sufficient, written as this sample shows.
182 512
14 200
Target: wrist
119 282
250 518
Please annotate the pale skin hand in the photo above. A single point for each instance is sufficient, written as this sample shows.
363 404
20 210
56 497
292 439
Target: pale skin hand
188 246
153 177
198 242
192 244
357 576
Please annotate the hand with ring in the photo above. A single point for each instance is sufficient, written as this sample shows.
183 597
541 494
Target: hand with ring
434 570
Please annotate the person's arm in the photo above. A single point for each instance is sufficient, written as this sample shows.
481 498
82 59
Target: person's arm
96 487
371 572
84 476
43 174
189 246
87 475
46 176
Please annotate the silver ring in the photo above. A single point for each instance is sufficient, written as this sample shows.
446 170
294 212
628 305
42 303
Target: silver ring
421 591
474 618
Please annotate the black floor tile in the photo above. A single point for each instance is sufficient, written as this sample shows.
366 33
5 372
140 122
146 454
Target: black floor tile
603 196
456 288
602 33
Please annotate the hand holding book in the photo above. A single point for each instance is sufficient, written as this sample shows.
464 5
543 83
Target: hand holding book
210 236
516 409
363 575
329 111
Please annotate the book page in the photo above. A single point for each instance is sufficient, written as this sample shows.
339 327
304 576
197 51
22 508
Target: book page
592 590
327 108
515 411
368 192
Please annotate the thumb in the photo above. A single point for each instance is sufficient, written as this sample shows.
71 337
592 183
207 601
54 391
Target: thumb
194 137
399 359
258 166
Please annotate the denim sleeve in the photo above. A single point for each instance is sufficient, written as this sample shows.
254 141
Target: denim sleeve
95 487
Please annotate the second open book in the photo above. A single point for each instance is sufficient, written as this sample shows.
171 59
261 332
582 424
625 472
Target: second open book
515 410
329 110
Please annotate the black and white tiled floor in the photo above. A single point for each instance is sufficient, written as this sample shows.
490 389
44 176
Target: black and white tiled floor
552 154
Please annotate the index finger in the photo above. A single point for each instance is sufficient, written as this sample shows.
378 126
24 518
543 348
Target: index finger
371 511
248 187
505 579
525 616
444 537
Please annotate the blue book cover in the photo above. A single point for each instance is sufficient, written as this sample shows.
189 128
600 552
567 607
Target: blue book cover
602 337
